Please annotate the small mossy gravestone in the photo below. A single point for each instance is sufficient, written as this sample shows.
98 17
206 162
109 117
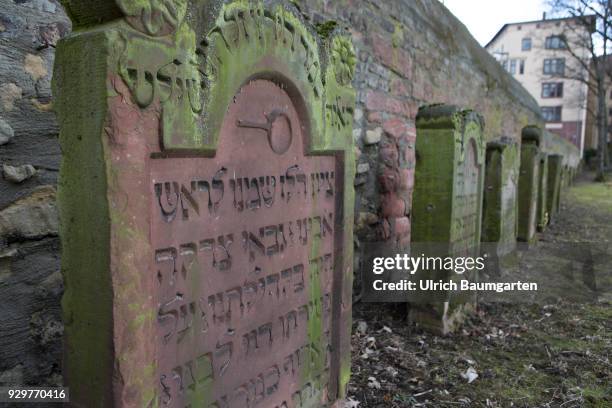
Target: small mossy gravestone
529 180
206 200
565 176
542 209
499 218
447 201
555 161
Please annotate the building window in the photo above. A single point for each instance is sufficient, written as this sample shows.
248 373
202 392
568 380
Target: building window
610 93
555 42
526 44
554 66
551 113
552 90
512 67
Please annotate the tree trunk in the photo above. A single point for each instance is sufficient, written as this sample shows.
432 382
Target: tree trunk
602 129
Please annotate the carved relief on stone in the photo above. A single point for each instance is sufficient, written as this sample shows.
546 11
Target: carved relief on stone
154 17
165 72
344 60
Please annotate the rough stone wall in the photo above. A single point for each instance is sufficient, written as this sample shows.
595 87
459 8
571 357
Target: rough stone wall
410 53
30 281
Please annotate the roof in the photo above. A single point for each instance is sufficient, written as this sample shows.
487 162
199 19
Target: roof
534 21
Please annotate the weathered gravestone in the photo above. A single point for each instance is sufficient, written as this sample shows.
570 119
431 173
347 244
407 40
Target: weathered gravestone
500 197
447 201
542 210
206 205
555 162
565 176
529 180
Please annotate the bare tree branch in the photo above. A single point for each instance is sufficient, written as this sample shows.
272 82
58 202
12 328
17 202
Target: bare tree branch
588 35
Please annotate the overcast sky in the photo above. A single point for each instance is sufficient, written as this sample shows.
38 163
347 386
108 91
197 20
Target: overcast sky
485 17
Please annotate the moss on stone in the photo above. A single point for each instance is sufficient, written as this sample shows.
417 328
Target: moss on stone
326 28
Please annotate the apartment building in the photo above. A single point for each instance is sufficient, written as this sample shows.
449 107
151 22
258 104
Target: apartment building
536 54
591 137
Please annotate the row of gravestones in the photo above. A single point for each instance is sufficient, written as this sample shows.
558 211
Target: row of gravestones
472 199
206 202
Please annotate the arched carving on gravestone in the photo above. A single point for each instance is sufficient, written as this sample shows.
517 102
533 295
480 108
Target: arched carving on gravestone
189 112
248 41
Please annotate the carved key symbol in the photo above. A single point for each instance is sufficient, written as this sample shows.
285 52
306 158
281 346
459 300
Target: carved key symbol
278 130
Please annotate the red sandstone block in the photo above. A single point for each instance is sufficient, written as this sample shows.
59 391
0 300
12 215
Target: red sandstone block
392 205
402 226
408 155
394 58
389 180
400 128
375 117
399 88
414 108
389 155
421 87
379 101
411 132
394 127
406 179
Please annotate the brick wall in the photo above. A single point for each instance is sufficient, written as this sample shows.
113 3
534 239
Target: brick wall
412 53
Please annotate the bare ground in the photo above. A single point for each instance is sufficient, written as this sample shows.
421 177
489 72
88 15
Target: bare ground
552 353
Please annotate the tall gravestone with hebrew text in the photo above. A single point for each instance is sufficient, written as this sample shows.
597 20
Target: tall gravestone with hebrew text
500 197
447 200
206 202
529 181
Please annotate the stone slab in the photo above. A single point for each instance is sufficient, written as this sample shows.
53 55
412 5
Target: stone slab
499 220
542 209
206 198
554 184
447 197
529 179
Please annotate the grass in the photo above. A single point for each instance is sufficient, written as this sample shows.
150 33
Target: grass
593 194
526 355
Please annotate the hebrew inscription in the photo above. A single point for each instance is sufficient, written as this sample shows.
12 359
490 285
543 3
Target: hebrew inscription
243 261
468 193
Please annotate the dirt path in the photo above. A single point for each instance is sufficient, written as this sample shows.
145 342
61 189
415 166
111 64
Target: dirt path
555 353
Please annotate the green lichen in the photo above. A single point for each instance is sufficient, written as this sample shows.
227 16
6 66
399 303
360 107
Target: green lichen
325 29
397 38
84 217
